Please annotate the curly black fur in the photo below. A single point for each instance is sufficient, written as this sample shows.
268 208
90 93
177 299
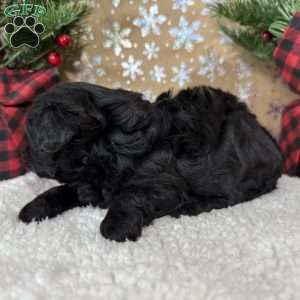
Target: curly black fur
185 154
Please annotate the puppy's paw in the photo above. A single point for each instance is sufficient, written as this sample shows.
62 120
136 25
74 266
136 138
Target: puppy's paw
120 225
49 204
89 195
36 210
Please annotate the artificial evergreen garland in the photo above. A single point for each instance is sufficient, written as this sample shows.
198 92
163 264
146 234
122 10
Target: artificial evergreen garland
60 38
260 23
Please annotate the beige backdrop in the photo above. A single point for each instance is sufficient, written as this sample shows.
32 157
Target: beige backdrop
152 46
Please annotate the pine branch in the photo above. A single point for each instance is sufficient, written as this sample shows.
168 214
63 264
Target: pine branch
252 42
272 15
277 28
252 17
62 14
258 14
287 10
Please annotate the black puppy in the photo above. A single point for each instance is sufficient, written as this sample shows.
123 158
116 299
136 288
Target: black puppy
183 155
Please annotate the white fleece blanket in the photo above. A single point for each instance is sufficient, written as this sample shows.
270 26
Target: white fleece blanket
250 251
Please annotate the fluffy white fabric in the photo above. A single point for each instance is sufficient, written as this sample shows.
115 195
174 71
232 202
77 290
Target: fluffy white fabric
250 251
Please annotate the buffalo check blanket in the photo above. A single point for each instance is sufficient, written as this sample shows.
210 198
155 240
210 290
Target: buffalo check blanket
290 138
18 88
287 54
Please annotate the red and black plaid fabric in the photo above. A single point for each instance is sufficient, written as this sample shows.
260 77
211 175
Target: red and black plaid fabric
287 54
18 88
289 141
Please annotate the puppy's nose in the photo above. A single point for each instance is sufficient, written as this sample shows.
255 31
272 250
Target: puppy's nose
48 147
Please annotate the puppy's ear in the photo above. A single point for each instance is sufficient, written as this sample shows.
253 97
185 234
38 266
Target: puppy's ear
164 96
93 118
47 130
61 114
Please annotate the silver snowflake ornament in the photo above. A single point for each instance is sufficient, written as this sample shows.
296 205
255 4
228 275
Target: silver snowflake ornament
211 66
117 38
186 35
157 73
182 4
149 21
148 96
131 68
244 91
181 74
151 50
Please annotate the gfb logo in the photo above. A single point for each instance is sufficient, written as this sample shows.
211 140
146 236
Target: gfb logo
24 30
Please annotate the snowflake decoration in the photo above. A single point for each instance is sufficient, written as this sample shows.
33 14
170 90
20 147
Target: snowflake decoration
244 73
157 73
275 110
211 66
244 70
117 38
244 91
97 61
131 68
185 35
182 4
149 21
100 72
86 68
181 74
205 12
151 50
86 33
148 96
84 74
116 3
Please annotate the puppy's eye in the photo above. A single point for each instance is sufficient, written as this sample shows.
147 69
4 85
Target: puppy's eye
85 160
73 113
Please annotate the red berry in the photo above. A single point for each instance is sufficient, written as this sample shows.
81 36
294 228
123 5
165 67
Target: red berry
64 40
54 59
266 36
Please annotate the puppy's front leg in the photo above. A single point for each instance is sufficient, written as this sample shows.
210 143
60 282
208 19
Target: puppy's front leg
91 195
50 204
132 209
125 217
